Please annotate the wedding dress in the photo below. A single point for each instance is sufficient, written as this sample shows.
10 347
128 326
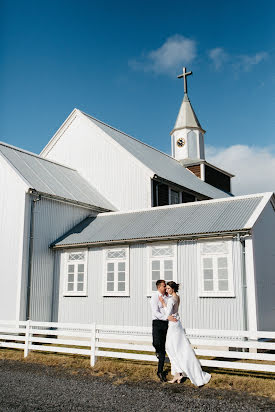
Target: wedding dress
182 356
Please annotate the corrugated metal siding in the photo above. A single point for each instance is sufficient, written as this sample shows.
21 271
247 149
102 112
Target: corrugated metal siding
161 164
200 312
104 164
218 313
264 266
188 219
133 310
12 209
51 219
54 179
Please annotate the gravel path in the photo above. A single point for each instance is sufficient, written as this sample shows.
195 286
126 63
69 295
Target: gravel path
31 387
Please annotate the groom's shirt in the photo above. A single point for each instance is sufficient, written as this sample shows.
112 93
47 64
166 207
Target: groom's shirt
157 308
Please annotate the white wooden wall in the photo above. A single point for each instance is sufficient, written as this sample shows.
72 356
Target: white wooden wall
114 172
12 213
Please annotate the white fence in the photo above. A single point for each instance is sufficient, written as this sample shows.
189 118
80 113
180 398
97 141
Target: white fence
116 342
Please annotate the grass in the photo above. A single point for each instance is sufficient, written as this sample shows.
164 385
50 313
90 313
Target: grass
120 371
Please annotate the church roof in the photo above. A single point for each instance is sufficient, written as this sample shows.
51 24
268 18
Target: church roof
161 164
160 223
186 116
52 178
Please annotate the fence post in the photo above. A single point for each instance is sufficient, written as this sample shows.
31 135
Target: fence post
93 345
27 335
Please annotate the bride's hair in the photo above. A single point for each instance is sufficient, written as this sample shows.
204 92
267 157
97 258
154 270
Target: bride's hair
173 285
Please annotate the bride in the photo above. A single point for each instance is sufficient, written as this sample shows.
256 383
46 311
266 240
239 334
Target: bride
182 357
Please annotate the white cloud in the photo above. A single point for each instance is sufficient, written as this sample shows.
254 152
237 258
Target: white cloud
218 57
253 166
243 62
175 52
246 62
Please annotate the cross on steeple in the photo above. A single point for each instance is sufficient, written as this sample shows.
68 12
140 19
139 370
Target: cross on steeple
184 75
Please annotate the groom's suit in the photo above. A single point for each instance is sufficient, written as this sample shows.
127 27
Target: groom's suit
160 326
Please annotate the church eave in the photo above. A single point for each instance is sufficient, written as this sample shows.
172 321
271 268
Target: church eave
170 183
71 201
198 162
188 127
208 235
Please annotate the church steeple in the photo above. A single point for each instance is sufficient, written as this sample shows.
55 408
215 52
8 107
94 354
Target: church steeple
187 136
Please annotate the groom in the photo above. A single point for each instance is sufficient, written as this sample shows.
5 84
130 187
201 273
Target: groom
160 326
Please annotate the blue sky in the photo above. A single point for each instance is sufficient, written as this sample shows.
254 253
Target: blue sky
119 62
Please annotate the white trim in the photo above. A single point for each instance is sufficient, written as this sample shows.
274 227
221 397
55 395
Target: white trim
202 166
198 145
173 146
252 219
65 273
215 293
251 287
106 260
150 258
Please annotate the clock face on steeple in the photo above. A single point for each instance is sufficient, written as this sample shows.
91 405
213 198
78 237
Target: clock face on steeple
180 142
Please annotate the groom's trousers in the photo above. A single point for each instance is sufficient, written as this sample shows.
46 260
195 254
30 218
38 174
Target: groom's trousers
159 338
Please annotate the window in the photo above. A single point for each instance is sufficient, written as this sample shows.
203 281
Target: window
216 273
116 272
174 197
162 260
76 273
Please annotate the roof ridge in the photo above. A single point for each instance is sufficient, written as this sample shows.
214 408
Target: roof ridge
189 204
34 155
131 137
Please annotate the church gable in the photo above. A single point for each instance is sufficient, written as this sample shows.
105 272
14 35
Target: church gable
108 166
111 160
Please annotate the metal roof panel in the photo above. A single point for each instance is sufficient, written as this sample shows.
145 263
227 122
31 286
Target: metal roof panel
52 178
186 219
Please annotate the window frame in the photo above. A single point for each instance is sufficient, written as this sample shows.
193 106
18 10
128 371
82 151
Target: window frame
229 255
162 258
74 292
107 260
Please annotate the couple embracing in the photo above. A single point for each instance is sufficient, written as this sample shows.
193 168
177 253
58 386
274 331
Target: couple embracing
169 336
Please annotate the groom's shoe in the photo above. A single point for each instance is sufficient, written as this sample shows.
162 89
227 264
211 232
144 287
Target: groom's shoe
159 374
162 376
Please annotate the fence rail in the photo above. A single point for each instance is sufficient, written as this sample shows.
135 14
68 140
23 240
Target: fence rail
93 340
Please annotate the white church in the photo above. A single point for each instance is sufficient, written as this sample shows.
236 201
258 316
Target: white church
89 225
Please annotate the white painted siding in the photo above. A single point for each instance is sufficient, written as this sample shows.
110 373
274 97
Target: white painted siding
51 220
196 312
114 172
12 209
264 260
